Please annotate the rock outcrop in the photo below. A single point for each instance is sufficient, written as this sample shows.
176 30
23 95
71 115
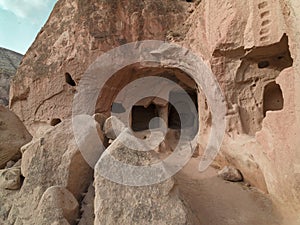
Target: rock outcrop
13 135
52 166
9 62
153 204
10 178
254 56
252 48
58 205
113 127
230 173
90 29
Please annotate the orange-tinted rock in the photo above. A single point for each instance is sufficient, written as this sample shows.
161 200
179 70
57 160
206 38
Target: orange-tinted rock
252 47
74 36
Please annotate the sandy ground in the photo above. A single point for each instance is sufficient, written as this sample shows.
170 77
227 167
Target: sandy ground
217 202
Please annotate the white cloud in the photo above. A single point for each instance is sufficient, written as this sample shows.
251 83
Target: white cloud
29 9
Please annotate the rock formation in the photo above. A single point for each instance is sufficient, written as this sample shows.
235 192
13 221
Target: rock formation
229 173
153 204
9 62
252 48
10 178
51 161
67 53
13 136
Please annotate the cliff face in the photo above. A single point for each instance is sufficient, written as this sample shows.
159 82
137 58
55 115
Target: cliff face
252 48
9 62
82 33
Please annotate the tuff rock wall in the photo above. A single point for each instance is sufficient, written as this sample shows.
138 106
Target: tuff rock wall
251 47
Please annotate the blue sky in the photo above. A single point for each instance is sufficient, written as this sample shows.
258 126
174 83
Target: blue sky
20 22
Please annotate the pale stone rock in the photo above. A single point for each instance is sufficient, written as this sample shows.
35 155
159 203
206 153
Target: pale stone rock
242 154
87 207
248 45
52 160
10 178
113 127
120 204
61 222
10 164
100 118
57 202
230 173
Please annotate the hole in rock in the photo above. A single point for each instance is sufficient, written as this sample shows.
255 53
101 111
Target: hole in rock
265 22
22 178
274 59
280 57
55 121
263 64
264 14
141 117
273 98
69 79
262 5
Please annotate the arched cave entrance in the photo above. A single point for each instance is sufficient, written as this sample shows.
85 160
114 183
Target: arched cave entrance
272 98
145 110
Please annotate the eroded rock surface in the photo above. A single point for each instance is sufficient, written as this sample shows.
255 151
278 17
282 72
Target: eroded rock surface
52 160
91 29
230 173
87 207
10 178
113 127
116 203
58 204
252 47
9 62
13 135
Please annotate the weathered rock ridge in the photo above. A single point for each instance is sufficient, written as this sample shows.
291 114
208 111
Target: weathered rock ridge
9 62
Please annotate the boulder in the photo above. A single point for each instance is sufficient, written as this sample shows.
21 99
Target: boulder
116 203
113 127
230 173
57 202
100 118
11 163
10 178
52 160
13 135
